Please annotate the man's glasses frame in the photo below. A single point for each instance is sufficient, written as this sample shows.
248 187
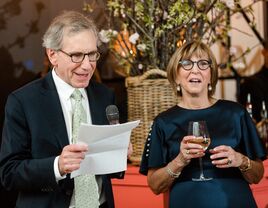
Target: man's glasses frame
79 57
202 64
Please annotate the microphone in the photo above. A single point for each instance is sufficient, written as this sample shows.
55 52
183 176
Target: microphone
112 114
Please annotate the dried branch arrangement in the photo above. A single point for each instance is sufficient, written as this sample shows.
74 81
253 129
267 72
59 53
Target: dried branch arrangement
143 34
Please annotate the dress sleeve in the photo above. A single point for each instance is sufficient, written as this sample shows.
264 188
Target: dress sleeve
155 150
253 146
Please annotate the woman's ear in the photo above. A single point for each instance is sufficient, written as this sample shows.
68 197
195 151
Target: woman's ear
52 56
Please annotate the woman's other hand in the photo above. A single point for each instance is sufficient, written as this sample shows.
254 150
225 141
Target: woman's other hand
225 156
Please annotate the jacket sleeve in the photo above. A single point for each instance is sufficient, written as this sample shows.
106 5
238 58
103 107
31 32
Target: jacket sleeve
18 168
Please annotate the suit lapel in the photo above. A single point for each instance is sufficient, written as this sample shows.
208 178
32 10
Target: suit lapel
96 105
93 106
54 113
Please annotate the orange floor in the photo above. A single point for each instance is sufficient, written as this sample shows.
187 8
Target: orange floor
260 190
133 192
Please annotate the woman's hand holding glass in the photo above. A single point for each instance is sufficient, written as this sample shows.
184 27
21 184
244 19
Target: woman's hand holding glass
191 150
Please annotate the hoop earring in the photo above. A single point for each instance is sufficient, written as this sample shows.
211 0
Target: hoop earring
178 88
209 88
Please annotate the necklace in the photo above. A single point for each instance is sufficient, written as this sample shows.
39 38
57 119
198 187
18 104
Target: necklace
197 105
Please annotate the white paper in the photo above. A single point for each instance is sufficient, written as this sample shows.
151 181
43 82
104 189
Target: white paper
107 145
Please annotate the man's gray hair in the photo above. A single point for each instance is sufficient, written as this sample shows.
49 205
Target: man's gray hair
67 23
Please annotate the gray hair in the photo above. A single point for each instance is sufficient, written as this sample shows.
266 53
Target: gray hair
67 23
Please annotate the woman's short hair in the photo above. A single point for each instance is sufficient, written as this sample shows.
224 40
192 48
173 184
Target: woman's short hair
186 51
67 23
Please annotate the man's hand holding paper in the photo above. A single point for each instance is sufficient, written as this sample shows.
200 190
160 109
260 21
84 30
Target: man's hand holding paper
108 147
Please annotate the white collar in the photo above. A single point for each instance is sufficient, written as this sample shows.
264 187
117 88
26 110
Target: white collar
64 89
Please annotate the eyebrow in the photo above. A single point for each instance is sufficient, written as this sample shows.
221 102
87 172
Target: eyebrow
73 52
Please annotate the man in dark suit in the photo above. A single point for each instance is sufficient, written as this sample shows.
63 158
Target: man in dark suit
37 153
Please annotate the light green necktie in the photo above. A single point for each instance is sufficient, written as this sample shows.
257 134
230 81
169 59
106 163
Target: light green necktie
86 188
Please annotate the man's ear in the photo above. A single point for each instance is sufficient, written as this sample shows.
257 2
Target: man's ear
52 56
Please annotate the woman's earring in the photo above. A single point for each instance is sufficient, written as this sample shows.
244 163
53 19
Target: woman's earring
178 88
209 87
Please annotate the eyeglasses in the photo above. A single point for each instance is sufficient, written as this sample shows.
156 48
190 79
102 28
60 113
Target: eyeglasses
79 57
189 64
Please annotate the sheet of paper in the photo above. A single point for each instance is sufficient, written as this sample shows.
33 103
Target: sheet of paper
108 145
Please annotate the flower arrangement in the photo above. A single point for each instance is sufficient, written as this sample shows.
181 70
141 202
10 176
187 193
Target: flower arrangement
143 34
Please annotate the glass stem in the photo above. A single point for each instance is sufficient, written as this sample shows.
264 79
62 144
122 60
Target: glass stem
201 168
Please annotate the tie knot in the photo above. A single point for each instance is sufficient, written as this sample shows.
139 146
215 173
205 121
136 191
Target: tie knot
76 95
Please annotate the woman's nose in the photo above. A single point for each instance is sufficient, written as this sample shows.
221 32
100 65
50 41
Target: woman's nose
195 68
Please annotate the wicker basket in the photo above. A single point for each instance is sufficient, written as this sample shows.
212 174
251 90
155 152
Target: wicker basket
146 98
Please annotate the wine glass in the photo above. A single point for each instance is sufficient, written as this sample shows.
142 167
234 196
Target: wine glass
199 130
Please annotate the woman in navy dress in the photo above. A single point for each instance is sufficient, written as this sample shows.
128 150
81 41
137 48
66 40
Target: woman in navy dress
234 157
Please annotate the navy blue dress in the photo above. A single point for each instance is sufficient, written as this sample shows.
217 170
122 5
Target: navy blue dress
228 124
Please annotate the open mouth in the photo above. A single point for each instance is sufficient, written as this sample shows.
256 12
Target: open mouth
81 75
195 80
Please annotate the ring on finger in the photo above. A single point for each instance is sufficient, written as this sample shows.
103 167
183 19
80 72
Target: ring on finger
229 161
187 152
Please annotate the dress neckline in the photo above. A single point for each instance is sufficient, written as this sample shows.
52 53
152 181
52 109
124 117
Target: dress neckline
206 108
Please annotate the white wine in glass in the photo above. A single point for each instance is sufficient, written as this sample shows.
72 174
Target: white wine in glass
204 142
200 131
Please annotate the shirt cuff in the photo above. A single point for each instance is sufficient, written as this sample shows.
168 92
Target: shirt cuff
56 170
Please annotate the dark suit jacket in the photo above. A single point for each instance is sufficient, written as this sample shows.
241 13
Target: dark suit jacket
34 134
